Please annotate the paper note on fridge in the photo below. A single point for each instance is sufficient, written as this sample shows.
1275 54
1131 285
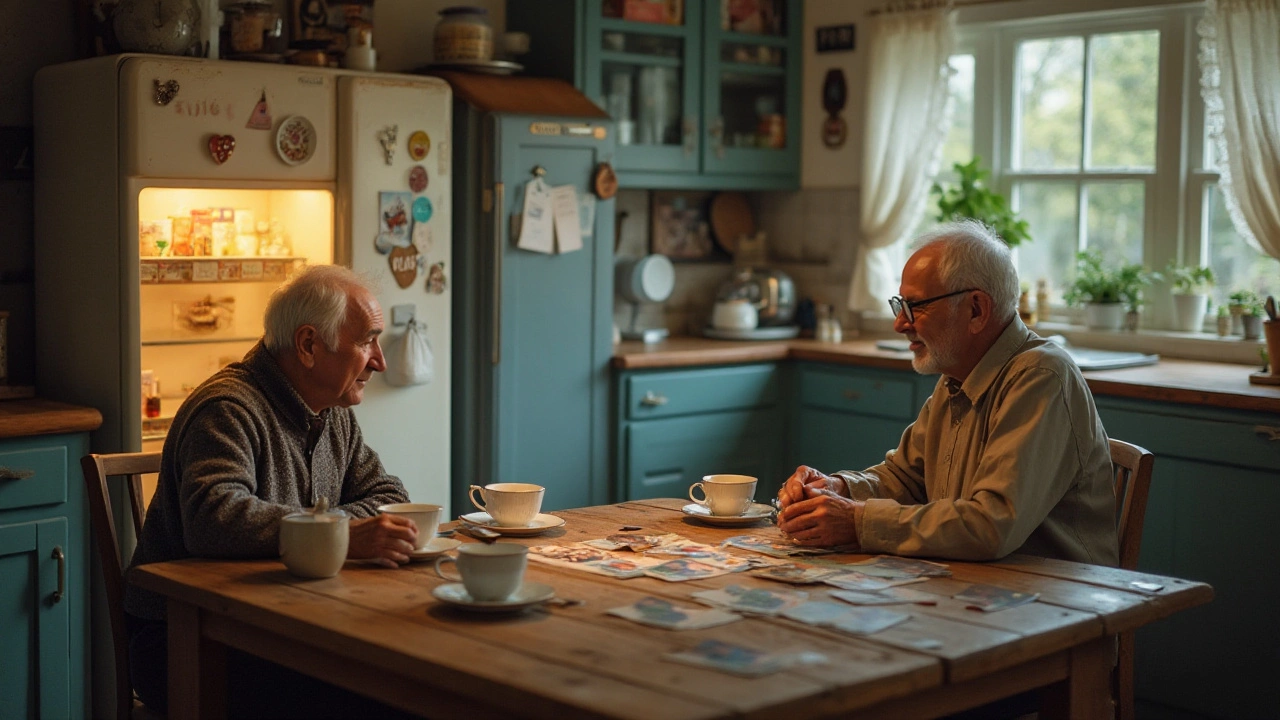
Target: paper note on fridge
536 231
564 204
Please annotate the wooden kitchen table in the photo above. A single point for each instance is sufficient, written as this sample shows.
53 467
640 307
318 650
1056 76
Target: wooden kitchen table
380 632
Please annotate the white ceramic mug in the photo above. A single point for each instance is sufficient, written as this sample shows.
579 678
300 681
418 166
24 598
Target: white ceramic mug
509 504
725 495
314 545
488 572
426 517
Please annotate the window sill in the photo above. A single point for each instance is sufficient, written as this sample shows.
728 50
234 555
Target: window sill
1205 347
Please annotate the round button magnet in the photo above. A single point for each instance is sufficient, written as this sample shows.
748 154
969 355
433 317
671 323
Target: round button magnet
421 210
417 178
419 144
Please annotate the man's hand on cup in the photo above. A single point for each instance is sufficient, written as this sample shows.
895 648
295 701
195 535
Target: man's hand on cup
385 537
804 480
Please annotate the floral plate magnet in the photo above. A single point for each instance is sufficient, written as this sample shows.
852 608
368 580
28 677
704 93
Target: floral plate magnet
296 140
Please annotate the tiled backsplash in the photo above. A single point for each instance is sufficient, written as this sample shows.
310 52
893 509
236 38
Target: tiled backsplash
810 235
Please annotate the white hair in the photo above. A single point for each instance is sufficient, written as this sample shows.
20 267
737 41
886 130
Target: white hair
316 296
974 256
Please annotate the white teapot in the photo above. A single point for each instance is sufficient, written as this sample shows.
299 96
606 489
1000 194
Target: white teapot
313 543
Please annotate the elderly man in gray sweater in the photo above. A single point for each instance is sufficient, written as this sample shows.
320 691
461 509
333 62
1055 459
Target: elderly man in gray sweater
265 437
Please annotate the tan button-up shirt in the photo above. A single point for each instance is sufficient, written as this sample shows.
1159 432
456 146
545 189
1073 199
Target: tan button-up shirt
1012 460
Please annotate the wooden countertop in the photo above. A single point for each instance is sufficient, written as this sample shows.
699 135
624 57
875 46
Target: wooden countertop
1178 381
33 416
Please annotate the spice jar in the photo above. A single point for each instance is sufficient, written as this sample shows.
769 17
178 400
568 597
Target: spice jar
250 22
463 34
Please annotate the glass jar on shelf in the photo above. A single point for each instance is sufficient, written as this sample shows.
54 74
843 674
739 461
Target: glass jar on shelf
463 35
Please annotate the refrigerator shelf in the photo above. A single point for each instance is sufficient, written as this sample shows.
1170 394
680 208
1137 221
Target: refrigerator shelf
198 269
201 340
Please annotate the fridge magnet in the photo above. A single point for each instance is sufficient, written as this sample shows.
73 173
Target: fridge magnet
419 144
436 281
393 214
387 137
296 140
221 147
404 265
417 178
604 182
835 93
422 237
260 117
165 92
422 210
567 221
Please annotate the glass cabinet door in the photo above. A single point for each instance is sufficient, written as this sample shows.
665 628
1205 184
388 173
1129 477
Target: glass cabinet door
645 76
751 100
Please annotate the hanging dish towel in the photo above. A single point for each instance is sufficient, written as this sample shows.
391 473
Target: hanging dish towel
409 362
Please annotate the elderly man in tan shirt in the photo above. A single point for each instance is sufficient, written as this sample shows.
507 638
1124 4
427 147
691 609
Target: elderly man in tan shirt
1007 455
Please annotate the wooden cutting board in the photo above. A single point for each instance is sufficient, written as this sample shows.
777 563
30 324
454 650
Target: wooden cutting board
731 219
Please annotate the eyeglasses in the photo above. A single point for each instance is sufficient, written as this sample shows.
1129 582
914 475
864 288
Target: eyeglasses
903 307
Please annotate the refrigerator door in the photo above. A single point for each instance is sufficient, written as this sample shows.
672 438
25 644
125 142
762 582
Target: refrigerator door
550 347
407 426
174 110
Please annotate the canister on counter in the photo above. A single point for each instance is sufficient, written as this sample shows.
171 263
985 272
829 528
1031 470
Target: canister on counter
463 34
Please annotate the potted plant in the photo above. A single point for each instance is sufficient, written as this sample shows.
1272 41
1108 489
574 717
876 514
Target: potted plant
971 198
1236 304
1190 295
1251 318
1224 321
1106 293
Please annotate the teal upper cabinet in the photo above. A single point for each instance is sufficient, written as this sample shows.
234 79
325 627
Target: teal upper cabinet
702 99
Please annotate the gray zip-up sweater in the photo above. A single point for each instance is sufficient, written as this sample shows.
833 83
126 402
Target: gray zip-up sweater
244 451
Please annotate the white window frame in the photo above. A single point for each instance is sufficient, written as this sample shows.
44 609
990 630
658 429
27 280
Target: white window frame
992 34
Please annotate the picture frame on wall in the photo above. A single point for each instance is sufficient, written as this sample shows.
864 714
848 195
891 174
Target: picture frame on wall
679 228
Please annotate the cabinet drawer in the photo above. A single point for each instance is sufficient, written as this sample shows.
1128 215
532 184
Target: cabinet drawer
46 484
667 394
665 457
863 394
1244 444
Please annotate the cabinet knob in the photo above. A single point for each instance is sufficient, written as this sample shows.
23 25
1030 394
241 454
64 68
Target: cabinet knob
12 474
652 399
852 395
1267 433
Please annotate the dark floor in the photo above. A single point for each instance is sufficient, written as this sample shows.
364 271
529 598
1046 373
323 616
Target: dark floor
1151 711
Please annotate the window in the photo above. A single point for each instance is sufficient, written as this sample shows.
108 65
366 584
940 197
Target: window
1083 122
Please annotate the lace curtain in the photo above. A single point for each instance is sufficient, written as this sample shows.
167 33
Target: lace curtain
1240 83
906 122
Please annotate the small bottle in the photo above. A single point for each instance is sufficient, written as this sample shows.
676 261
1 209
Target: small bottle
1042 300
835 333
153 401
1024 309
822 332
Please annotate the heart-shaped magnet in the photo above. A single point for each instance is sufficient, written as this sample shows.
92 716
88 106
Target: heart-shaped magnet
404 265
221 147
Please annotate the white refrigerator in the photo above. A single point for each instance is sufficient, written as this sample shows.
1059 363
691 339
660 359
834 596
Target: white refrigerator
173 195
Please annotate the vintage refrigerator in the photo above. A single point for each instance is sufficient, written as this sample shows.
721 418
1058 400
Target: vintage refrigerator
174 194
532 331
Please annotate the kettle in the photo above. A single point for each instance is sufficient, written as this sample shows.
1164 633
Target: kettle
771 292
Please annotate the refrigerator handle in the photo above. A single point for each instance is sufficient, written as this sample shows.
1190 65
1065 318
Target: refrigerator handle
499 209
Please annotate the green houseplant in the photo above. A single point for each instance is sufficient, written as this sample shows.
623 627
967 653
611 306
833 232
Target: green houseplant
1106 292
1190 295
971 198
1242 304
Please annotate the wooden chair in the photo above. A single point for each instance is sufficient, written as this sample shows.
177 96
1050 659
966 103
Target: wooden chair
1132 466
97 468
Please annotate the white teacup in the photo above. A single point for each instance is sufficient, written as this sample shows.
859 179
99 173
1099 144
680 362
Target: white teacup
314 545
426 517
488 572
509 504
725 495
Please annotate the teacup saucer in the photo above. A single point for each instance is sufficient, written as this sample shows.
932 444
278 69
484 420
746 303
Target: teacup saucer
755 513
541 523
434 549
528 595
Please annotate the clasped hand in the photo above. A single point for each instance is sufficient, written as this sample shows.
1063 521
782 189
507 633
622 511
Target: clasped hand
815 513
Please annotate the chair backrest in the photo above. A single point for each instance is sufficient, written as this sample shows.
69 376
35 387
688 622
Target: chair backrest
1132 466
97 468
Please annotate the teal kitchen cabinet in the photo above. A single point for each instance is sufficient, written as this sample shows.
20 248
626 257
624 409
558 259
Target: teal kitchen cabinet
44 576
674 426
1211 516
697 105
847 417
